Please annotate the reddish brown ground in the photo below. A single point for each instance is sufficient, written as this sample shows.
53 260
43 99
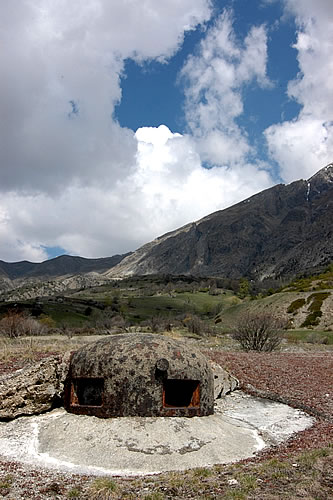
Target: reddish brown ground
302 380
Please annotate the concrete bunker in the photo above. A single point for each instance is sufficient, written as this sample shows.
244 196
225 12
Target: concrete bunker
139 375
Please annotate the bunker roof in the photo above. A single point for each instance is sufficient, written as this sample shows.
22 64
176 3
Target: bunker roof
139 374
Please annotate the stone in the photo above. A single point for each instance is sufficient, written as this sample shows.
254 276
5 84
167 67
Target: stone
34 389
224 382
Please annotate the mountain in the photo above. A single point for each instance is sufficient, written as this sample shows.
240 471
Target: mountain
280 232
60 266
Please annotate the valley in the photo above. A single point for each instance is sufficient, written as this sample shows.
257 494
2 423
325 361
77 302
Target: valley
200 306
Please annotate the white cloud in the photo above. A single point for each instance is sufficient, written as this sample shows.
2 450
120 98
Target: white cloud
12 246
305 144
59 51
216 78
167 188
60 150
70 175
301 146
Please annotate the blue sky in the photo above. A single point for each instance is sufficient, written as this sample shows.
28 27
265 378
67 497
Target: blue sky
125 120
153 95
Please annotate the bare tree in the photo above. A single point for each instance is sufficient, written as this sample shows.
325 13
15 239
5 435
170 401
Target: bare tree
258 331
33 327
16 323
197 326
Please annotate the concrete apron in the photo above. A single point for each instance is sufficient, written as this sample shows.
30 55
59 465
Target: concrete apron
241 426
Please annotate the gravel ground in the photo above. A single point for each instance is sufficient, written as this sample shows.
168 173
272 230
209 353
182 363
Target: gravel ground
302 380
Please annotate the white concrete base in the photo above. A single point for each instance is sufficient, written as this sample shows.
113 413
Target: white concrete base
241 426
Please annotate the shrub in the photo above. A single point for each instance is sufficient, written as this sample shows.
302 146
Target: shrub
196 325
244 288
193 324
295 305
315 300
312 319
47 322
259 331
316 338
155 323
16 323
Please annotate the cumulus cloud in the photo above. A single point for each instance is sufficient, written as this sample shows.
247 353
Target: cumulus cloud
215 79
305 143
62 68
301 146
167 189
70 175
59 143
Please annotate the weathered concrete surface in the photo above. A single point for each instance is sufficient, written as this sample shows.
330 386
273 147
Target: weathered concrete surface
240 427
275 421
143 375
224 382
34 389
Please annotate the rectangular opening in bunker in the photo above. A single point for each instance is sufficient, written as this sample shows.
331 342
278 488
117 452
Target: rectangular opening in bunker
181 393
87 391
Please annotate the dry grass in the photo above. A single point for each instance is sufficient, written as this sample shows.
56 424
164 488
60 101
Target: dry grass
16 353
306 475
103 488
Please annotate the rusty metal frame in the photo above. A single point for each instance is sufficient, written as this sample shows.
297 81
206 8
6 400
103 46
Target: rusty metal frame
74 399
195 400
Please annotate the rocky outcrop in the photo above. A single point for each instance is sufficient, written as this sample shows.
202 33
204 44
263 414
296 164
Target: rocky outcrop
224 382
34 389
280 232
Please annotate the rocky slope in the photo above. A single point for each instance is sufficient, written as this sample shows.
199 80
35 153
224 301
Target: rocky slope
282 231
31 288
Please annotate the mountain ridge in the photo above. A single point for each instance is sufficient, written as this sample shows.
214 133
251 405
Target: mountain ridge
59 266
279 232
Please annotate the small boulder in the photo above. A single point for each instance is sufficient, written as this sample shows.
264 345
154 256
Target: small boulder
224 382
34 389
